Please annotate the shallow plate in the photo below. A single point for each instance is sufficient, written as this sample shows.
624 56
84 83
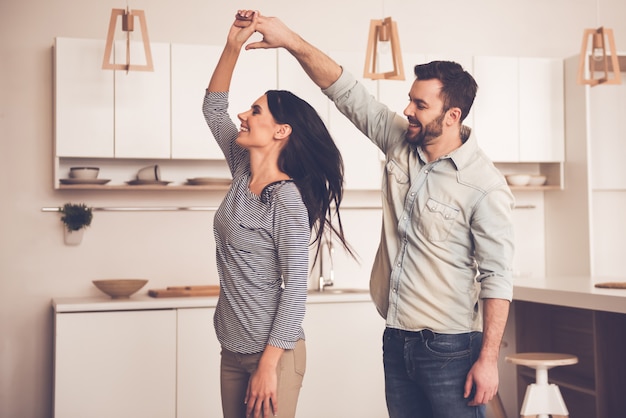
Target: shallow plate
84 181
198 181
148 182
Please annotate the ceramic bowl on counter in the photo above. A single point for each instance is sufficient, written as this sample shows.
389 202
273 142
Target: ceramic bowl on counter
537 180
120 288
84 172
518 179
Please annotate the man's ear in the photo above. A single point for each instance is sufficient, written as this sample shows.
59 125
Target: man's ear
454 115
283 132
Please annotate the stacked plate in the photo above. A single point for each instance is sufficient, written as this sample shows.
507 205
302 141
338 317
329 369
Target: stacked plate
209 181
84 175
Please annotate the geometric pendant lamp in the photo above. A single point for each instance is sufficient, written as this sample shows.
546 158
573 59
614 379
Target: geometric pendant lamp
597 65
383 48
128 25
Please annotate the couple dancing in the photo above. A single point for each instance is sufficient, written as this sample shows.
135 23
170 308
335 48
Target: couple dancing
442 274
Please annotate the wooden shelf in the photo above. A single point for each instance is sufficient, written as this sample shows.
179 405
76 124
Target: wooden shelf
145 187
533 188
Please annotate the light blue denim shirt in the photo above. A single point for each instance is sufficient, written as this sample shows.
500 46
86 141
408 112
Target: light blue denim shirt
447 233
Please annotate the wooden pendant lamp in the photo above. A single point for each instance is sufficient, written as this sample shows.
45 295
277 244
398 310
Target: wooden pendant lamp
598 58
384 30
128 25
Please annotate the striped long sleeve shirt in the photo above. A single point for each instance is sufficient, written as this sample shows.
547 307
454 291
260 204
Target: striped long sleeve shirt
261 250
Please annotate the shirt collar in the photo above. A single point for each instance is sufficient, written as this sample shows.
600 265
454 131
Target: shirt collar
462 155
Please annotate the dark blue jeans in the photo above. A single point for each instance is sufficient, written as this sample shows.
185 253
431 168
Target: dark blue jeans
425 373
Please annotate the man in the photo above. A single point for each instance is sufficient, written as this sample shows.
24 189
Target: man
447 237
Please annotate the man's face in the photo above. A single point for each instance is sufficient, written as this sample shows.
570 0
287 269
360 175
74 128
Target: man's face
425 112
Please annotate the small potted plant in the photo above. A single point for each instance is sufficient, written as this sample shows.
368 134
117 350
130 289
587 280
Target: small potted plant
76 217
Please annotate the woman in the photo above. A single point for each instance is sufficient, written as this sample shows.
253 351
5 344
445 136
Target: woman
286 172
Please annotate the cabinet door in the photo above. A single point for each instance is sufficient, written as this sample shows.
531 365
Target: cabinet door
83 99
606 110
255 73
198 355
363 166
496 108
192 66
541 105
395 93
115 364
142 104
344 372
292 77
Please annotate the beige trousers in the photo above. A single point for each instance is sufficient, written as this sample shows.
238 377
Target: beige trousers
236 370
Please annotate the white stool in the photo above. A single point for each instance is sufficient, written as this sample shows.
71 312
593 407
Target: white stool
542 398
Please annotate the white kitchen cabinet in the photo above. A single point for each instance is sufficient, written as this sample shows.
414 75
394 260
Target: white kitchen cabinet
395 93
115 364
542 114
110 114
83 99
142 104
344 373
192 66
518 111
496 107
361 158
292 77
585 226
198 360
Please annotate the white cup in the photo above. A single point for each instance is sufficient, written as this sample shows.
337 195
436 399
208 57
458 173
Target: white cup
149 173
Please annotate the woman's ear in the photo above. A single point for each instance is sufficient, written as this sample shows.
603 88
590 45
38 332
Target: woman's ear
283 131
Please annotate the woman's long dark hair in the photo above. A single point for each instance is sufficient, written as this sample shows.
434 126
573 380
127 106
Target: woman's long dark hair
313 161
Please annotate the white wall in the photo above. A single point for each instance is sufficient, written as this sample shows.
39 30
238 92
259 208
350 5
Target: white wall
177 247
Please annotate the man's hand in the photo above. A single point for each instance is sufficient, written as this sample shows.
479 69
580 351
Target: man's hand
483 377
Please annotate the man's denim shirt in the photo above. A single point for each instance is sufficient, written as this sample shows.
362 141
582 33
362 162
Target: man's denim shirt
447 235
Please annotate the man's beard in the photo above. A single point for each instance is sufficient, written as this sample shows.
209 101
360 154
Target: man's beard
427 133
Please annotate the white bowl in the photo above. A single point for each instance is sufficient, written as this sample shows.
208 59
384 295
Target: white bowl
84 172
518 179
537 180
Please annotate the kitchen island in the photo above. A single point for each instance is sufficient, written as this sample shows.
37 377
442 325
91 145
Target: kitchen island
571 315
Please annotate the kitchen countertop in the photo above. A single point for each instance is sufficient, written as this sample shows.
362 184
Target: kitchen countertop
145 302
575 292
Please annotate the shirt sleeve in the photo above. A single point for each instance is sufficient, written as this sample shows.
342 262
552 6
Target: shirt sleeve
291 236
492 228
215 109
373 118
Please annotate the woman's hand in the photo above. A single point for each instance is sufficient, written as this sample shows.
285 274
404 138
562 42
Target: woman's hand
243 27
262 394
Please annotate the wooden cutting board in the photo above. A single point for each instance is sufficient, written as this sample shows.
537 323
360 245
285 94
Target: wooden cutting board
611 285
185 291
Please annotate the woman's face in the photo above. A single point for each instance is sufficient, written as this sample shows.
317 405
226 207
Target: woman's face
258 126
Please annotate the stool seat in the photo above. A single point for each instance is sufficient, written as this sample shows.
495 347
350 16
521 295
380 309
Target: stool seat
547 360
542 399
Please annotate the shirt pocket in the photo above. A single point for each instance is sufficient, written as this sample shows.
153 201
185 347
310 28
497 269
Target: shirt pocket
396 183
436 220
252 247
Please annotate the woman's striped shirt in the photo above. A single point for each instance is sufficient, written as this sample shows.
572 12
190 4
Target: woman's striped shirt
261 248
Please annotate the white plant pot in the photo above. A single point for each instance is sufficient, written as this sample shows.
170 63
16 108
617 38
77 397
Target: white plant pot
73 237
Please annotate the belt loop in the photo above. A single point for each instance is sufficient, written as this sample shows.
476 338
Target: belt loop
427 334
